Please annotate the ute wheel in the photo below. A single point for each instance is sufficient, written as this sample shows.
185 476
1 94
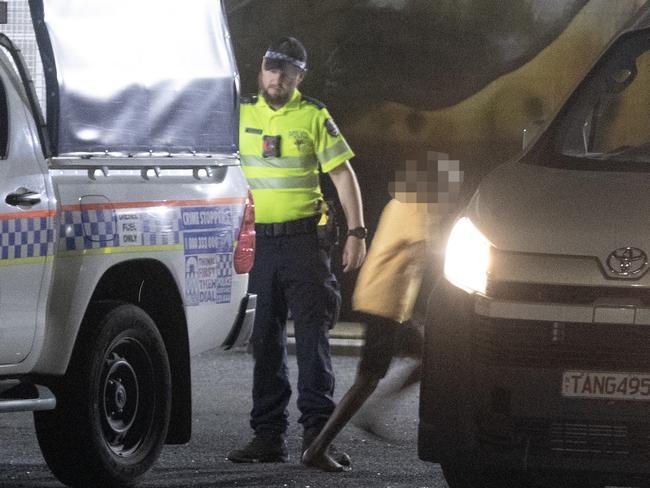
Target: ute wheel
113 404
460 476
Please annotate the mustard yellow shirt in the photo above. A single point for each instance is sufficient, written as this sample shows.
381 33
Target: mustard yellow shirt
401 250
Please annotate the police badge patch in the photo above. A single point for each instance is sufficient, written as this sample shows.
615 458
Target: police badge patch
331 127
301 141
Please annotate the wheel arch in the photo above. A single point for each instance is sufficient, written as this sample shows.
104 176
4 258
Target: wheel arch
150 285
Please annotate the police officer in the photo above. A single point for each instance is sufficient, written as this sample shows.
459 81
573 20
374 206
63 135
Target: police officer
285 137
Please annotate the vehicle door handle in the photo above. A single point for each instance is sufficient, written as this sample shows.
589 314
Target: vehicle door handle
23 197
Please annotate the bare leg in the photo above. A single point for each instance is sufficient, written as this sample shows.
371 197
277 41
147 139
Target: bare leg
408 342
316 455
412 377
371 415
375 359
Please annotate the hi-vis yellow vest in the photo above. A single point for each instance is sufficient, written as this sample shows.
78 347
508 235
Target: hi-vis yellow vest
285 185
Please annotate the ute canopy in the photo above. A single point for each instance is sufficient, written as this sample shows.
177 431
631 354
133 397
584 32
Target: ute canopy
138 77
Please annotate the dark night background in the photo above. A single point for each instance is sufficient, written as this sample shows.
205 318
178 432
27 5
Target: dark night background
406 77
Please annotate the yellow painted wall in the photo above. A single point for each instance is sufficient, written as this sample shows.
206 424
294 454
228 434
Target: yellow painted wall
526 98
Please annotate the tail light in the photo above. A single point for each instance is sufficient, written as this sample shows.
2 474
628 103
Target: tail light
245 252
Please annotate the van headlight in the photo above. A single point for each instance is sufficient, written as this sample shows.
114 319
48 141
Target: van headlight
467 257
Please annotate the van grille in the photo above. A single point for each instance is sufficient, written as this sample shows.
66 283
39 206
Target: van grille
586 439
579 295
552 345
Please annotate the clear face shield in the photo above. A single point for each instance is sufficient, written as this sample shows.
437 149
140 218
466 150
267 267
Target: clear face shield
290 68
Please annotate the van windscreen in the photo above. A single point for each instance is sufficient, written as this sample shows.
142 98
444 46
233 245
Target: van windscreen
609 119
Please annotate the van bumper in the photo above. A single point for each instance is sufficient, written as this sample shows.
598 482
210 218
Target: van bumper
491 394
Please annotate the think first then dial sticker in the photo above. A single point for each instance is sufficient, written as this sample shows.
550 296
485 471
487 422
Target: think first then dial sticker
208 242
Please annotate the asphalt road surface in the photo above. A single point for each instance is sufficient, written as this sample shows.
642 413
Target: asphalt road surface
222 384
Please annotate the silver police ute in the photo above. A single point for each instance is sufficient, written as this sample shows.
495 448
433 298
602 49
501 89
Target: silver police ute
126 228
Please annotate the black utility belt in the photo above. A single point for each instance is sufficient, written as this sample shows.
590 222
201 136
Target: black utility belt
308 225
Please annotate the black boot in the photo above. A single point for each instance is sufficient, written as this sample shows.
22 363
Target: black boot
261 450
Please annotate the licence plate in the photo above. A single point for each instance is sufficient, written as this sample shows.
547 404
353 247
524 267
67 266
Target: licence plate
608 386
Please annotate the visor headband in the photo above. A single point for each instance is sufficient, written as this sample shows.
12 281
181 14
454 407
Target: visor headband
283 57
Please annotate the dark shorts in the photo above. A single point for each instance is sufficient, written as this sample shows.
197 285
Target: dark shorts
384 340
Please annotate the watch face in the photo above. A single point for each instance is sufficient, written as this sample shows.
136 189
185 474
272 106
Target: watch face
359 232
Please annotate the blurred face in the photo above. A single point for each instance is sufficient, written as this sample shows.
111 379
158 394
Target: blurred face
277 81
434 182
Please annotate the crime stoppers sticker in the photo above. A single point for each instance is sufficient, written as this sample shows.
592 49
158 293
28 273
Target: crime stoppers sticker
208 243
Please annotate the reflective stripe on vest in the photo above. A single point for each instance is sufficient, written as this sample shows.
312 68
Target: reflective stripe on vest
305 182
284 162
334 151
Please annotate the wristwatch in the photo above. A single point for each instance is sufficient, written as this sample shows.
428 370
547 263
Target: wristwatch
358 232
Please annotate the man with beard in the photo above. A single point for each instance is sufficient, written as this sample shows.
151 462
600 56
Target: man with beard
284 138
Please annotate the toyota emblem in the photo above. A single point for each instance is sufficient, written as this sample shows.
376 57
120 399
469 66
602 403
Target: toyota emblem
627 261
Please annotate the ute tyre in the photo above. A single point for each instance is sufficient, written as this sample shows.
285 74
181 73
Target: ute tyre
113 404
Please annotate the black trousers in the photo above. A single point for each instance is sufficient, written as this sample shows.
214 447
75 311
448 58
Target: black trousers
292 273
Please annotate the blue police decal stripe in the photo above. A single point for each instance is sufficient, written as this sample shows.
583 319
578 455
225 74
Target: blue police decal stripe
26 235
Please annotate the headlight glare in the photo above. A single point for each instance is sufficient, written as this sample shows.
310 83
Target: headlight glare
467 257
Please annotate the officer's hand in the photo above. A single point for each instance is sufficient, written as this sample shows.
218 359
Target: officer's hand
354 252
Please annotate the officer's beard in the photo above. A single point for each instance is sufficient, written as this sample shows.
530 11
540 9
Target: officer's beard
279 99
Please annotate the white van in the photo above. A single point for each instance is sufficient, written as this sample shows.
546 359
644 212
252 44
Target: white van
537 354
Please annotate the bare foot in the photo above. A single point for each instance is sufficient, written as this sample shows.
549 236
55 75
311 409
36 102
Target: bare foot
323 461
